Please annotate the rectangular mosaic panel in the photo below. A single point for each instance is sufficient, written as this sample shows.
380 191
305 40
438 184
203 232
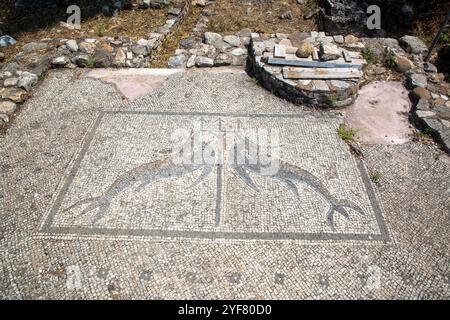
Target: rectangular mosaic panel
122 181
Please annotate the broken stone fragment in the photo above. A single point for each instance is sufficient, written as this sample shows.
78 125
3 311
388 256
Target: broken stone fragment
144 4
204 50
72 45
204 62
176 61
329 52
421 94
66 25
152 44
13 94
139 49
233 41
191 61
87 47
429 67
170 23
413 45
6 41
180 51
319 85
255 36
221 46
351 39
2 56
11 67
27 80
310 14
34 46
103 56
402 64
304 50
212 37
423 104
238 52
189 43
339 39
120 58
425 114
10 82
163 30
7 107
417 80
223 59
60 61
142 42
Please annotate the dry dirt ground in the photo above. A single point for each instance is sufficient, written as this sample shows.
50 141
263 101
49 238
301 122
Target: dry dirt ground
170 44
230 16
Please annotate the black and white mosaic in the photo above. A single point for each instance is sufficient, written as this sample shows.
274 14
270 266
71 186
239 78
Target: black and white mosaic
126 182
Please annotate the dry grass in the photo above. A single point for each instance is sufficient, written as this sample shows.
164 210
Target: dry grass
41 24
170 44
430 15
230 16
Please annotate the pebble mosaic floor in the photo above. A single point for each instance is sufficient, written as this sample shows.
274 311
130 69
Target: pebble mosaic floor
90 208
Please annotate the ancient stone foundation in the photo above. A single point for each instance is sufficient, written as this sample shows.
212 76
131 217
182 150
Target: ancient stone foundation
319 90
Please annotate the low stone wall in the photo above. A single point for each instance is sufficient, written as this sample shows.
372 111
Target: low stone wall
429 93
431 98
313 93
18 77
208 49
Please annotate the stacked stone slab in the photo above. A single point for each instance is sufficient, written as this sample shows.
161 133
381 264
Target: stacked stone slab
332 93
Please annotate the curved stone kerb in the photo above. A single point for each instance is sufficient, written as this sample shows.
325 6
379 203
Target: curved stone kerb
310 92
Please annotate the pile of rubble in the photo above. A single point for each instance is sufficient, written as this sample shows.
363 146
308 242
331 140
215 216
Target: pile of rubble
309 68
429 92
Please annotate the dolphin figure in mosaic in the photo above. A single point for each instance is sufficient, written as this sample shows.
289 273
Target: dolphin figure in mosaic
290 176
143 176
